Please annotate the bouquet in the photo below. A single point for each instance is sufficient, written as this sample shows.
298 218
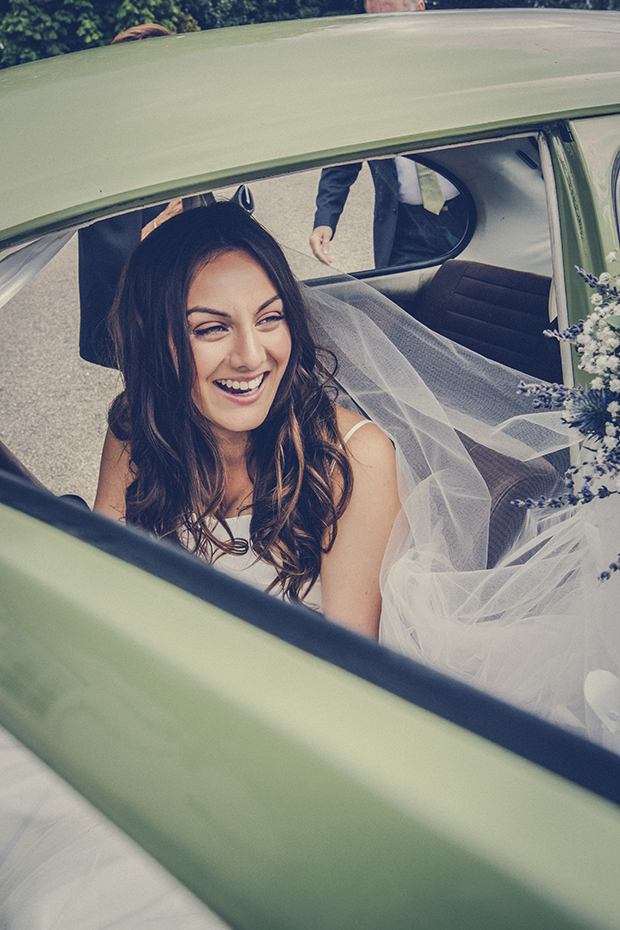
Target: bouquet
594 410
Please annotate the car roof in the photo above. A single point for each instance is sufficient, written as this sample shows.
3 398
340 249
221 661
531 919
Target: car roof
123 125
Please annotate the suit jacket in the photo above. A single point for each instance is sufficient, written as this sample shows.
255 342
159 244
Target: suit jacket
104 249
333 191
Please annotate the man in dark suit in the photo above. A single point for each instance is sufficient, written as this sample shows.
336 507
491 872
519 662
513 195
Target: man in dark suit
418 215
104 248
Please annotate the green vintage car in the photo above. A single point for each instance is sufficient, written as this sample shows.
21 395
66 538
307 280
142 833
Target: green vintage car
289 773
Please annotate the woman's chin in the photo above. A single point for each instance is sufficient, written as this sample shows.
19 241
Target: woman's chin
243 419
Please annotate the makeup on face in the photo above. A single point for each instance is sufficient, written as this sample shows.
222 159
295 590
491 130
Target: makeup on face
240 341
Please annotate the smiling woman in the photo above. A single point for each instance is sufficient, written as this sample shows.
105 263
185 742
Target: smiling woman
226 438
241 344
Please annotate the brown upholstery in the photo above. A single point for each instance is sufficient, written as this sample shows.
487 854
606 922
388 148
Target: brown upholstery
509 479
497 312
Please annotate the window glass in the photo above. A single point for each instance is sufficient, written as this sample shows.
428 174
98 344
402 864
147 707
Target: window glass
386 213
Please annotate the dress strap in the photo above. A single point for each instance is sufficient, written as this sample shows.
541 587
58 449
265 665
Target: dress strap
354 429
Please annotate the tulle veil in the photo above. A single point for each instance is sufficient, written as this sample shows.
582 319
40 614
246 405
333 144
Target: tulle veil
537 629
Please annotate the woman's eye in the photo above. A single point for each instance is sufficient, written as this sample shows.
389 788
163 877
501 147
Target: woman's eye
271 320
212 330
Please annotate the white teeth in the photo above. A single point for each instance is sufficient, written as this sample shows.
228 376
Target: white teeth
242 385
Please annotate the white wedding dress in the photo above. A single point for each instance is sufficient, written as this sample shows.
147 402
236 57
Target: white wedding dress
538 629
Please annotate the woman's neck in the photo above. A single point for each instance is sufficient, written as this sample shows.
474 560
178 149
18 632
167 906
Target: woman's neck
239 486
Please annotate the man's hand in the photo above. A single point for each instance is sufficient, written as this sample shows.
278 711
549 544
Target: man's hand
319 243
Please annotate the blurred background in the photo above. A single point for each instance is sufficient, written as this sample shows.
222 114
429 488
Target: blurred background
32 29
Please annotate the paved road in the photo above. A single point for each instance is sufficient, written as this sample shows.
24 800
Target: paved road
54 405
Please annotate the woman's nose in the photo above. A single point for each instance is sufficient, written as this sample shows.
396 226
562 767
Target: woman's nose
248 352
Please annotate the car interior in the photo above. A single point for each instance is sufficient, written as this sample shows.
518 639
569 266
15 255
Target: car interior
490 290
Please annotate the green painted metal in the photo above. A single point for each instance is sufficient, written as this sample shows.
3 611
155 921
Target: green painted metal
599 145
583 153
284 791
581 242
85 133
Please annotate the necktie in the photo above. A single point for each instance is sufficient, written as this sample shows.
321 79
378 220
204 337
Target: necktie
432 195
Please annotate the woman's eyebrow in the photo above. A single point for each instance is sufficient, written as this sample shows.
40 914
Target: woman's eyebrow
222 313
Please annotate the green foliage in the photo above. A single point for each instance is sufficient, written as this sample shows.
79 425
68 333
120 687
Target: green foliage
211 14
32 29
166 12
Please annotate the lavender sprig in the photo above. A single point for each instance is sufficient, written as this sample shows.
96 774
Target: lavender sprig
593 411
548 396
603 282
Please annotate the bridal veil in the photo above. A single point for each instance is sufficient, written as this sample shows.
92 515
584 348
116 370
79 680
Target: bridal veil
525 617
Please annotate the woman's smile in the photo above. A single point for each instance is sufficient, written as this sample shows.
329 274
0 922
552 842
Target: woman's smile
240 340
243 391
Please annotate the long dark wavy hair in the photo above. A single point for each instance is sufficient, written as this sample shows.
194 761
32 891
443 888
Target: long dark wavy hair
301 475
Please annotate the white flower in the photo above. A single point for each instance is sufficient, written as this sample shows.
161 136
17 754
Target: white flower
613 407
614 384
611 256
596 299
604 278
610 429
597 383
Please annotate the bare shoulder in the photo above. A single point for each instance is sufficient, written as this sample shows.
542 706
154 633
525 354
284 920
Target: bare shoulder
368 445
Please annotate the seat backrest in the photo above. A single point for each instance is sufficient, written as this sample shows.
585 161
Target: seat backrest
509 479
498 312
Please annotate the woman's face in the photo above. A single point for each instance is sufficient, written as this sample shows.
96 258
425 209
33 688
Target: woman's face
240 340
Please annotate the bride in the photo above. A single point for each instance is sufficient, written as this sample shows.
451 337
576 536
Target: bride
226 440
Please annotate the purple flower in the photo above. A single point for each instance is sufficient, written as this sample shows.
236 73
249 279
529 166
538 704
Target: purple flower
566 335
592 281
588 412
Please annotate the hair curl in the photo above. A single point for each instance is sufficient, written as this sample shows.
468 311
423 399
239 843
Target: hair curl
301 476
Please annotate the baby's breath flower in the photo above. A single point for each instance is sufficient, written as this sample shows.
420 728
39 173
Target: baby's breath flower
594 411
611 256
